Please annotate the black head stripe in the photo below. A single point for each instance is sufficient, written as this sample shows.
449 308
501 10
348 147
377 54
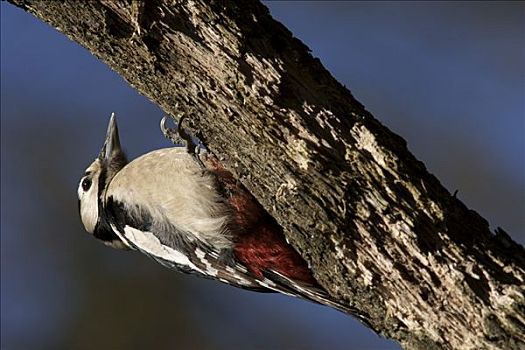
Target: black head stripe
103 230
101 185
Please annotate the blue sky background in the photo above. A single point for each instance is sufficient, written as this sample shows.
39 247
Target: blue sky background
447 76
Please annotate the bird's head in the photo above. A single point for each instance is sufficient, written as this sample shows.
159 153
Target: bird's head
93 185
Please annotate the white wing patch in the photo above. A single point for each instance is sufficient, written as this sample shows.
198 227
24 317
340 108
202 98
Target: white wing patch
124 240
150 244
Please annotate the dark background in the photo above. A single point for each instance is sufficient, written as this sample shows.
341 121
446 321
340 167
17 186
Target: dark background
448 77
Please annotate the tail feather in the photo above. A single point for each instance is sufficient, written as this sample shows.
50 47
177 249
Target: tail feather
288 286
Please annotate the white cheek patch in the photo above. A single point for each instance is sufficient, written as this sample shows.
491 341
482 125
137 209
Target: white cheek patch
80 191
89 199
89 206
149 243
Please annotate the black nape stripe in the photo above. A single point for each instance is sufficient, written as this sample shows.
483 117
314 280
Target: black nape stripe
103 229
104 232
101 187
118 215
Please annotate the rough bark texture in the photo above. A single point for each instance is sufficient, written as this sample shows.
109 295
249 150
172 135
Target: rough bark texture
380 232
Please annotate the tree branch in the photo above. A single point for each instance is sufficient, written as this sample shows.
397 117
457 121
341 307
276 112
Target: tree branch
380 232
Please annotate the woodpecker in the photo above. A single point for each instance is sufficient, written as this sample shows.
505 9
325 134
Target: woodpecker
187 212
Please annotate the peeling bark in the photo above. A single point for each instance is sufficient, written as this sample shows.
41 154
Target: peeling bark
380 232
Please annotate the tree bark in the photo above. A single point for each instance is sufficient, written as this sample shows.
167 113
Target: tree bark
380 233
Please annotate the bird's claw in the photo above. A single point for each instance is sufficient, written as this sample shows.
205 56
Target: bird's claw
171 133
179 136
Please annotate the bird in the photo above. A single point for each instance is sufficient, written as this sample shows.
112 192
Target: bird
183 209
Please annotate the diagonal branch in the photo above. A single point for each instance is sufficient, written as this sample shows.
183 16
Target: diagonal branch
380 232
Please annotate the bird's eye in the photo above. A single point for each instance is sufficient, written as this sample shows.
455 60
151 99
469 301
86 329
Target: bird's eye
86 184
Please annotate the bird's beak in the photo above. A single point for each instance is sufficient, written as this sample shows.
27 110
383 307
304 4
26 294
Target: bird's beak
112 142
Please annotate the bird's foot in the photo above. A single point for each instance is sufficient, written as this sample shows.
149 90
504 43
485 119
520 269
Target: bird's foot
179 136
